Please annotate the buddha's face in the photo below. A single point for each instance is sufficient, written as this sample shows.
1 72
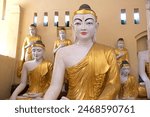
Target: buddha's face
120 44
125 70
37 53
62 34
32 30
84 26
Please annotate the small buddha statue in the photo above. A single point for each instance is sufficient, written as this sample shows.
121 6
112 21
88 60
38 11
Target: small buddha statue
62 41
129 84
36 73
91 68
121 51
26 54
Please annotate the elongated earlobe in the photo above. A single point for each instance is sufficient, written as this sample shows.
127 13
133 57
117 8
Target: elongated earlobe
74 37
94 36
97 25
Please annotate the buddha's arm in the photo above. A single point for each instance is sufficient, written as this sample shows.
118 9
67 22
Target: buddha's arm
120 55
57 78
113 82
142 72
22 84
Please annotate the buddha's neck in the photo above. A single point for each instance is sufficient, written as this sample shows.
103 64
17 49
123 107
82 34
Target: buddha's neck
62 38
120 48
84 42
38 61
33 34
124 75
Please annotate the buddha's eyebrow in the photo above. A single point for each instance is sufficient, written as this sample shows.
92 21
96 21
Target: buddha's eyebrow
89 18
77 19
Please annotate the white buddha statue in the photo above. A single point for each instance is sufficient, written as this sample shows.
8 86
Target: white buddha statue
36 73
144 69
91 68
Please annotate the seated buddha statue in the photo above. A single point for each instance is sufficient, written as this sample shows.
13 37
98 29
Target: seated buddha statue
144 60
129 83
26 54
91 68
36 73
61 41
121 52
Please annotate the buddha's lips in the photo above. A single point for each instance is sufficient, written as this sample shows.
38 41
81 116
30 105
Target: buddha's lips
83 33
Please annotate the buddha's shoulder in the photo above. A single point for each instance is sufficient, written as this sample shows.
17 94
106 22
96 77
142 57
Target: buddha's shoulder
66 49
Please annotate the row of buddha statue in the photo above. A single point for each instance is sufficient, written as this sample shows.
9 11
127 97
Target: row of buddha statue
91 71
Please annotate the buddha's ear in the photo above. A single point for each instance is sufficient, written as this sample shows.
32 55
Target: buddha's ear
73 32
72 26
97 25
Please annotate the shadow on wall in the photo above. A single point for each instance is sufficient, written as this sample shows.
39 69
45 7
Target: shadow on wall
7 68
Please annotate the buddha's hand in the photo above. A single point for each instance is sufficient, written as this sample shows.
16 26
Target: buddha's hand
121 54
12 98
64 98
61 45
29 45
33 95
123 79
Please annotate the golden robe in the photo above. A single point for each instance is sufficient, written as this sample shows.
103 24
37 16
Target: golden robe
142 91
39 79
65 42
147 69
26 52
129 89
124 57
95 77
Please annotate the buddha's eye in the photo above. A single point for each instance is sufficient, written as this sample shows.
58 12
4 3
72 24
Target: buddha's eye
89 23
33 50
77 23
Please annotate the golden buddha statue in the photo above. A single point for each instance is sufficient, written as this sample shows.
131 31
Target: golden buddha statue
36 72
62 41
121 51
129 84
91 68
26 54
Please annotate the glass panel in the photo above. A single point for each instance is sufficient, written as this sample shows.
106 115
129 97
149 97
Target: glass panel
136 16
45 23
67 18
123 16
35 19
56 19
